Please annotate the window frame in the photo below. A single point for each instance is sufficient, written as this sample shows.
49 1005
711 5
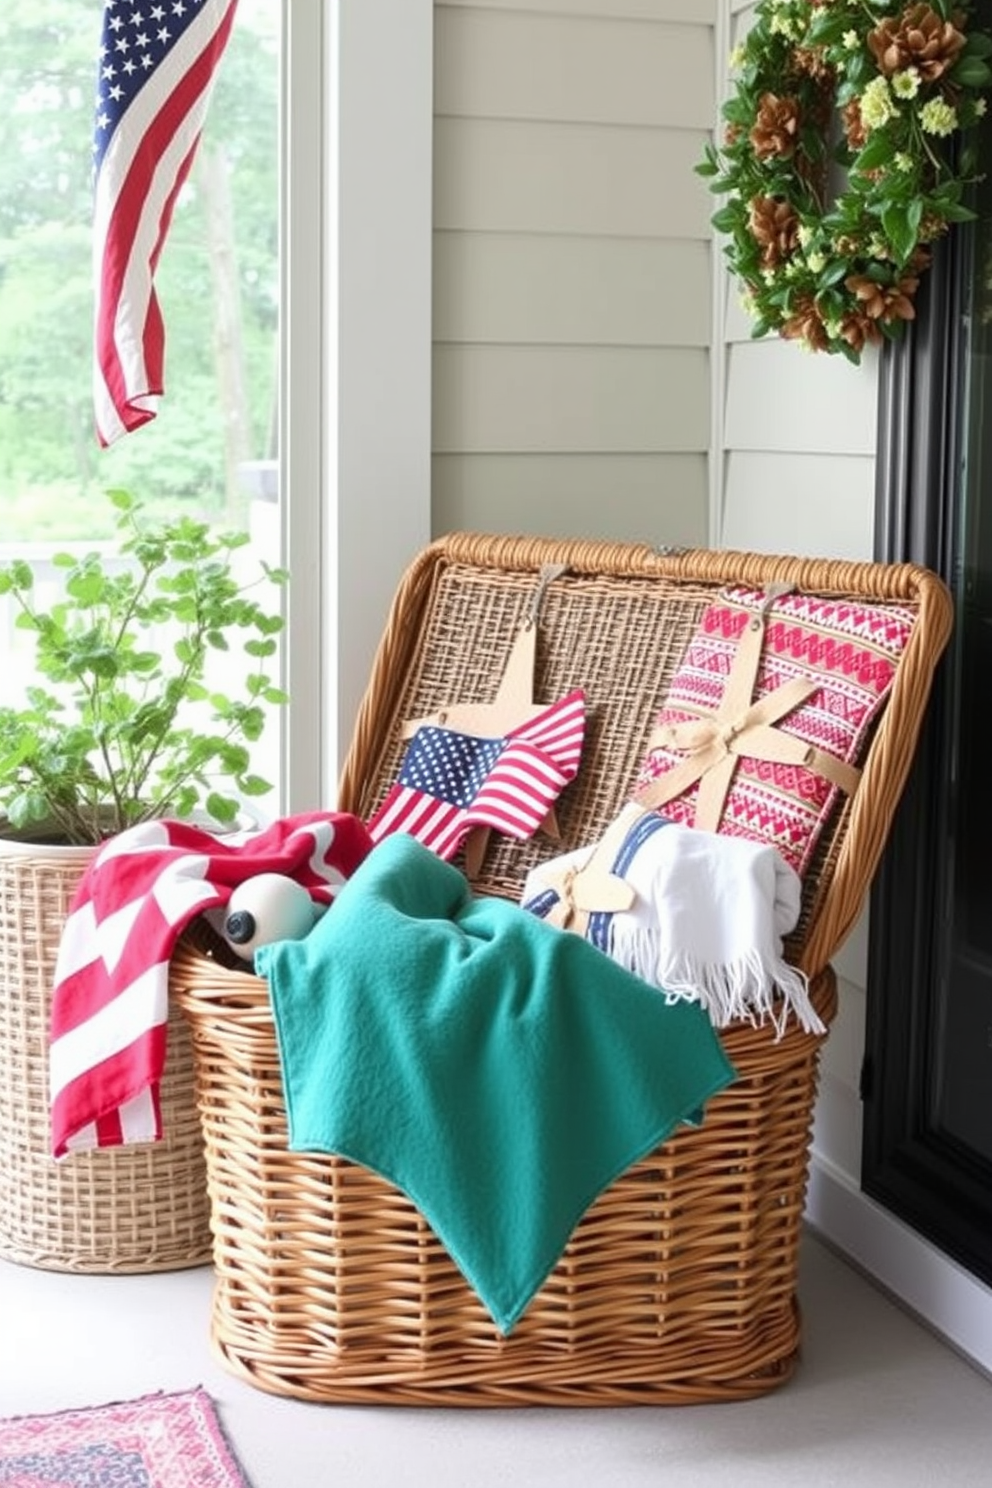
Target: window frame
355 348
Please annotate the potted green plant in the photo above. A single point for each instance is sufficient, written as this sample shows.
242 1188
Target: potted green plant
151 685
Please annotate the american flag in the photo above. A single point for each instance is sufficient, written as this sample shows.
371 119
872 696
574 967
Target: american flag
450 783
156 71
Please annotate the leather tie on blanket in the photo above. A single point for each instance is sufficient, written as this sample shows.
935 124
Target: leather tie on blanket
500 1073
695 913
740 727
111 997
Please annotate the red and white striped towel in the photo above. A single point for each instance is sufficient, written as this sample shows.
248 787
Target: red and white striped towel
111 996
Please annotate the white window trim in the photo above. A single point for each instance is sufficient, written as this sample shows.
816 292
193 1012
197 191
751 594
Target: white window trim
355 394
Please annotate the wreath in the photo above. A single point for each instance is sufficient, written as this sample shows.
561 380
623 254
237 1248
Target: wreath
848 150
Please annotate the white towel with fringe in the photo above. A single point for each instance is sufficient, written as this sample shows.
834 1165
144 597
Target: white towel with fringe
697 914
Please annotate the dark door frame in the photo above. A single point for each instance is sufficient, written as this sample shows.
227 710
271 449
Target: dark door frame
938 1186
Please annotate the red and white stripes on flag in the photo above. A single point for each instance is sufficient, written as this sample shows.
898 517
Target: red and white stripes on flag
450 783
111 997
156 71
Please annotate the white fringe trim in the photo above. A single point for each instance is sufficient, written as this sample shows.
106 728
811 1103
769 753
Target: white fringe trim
750 988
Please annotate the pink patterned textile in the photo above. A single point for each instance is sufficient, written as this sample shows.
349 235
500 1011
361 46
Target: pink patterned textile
157 1441
845 652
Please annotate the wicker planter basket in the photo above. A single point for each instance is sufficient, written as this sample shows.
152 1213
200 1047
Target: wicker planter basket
679 1284
142 1208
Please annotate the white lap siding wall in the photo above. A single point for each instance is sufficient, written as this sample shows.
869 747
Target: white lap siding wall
572 267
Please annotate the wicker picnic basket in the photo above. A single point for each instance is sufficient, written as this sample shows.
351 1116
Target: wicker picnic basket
679 1284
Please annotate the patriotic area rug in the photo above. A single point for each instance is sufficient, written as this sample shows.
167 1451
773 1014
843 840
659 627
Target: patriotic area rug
157 1441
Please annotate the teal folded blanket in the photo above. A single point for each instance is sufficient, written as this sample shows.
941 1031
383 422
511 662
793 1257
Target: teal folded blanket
499 1071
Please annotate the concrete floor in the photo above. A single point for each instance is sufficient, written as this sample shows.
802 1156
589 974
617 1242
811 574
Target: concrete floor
876 1400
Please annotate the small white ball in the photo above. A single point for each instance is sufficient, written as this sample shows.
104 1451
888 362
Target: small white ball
264 908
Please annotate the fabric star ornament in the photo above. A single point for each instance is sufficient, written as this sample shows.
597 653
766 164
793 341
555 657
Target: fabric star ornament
473 768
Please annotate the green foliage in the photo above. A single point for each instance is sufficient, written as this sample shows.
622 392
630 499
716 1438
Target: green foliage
846 154
217 379
121 728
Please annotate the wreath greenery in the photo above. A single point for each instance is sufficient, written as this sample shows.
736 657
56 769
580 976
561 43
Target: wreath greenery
848 149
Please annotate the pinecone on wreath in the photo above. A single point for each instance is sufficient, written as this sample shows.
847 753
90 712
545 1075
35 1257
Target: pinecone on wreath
806 324
918 38
776 127
775 227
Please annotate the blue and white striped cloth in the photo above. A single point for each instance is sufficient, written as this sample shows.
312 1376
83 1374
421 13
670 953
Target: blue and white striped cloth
707 917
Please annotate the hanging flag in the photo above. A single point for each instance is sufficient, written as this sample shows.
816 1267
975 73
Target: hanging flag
451 782
156 72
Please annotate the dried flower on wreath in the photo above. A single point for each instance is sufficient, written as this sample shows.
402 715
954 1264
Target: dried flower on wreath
848 150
